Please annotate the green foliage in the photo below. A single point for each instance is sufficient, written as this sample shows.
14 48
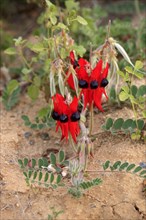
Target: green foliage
35 172
10 96
84 185
137 98
54 214
119 166
42 120
129 126
87 184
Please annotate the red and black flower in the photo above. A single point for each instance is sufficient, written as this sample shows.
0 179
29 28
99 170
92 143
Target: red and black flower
67 116
91 81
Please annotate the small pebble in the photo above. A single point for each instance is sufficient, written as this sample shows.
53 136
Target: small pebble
31 142
27 134
44 136
92 206
143 165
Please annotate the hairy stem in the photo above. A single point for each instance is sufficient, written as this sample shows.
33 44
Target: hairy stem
91 119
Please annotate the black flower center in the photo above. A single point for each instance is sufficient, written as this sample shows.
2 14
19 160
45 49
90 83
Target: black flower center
94 84
63 118
55 115
75 116
83 84
104 83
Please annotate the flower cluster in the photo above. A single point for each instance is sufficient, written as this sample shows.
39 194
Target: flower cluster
91 81
67 116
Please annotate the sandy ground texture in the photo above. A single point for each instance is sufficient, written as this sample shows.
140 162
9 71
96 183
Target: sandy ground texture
119 197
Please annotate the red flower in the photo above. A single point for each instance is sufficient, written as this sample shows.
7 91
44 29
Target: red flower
92 82
67 116
76 64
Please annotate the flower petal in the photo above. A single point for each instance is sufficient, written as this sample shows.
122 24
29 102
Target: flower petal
72 57
70 81
74 130
96 72
97 98
74 105
105 71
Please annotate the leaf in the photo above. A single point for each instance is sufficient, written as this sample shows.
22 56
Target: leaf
10 51
140 123
125 89
46 177
29 173
51 177
142 172
33 163
12 85
58 180
37 47
33 126
123 166
62 26
54 186
141 90
35 175
109 123
134 90
135 136
80 50
61 156
116 165
26 71
123 96
25 174
139 75
25 162
40 176
53 19
52 158
81 20
118 124
137 169
25 117
10 101
61 84
112 94
97 181
121 73
33 92
52 84
123 53
41 126
37 81
138 65
63 53
129 69
70 4
45 162
20 163
130 167
106 165
40 163
127 124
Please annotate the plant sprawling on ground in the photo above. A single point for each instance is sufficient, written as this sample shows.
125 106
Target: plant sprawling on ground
74 79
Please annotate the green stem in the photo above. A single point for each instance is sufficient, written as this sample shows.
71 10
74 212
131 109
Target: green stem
72 144
137 8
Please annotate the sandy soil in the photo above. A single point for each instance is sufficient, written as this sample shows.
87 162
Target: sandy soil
119 197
